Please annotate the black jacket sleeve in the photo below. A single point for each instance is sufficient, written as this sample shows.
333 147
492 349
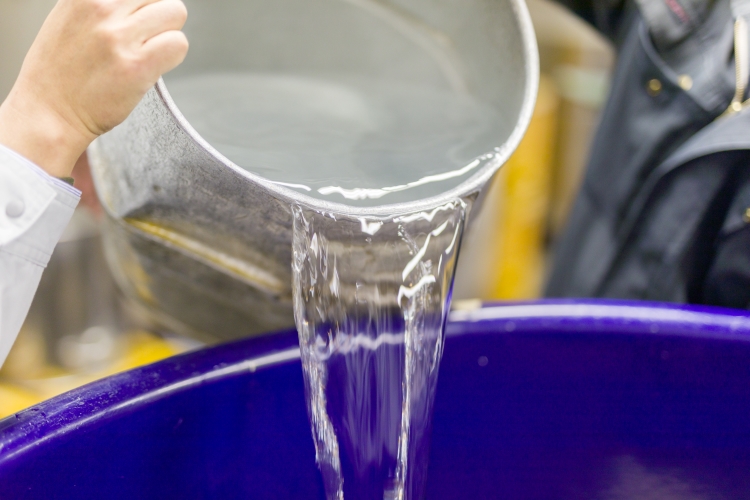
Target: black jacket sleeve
727 282
605 15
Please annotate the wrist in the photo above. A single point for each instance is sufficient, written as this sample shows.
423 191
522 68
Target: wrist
41 135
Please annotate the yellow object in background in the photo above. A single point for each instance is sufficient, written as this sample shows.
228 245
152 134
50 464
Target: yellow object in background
504 252
580 61
526 186
14 399
21 388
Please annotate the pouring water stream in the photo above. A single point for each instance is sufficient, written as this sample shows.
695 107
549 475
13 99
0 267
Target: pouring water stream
371 294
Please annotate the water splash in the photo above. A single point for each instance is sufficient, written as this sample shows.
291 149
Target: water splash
371 300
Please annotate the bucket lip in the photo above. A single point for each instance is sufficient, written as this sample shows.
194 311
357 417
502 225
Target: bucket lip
125 392
469 187
603 317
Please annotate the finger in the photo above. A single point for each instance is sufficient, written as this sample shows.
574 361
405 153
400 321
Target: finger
123 7
157 18
135 5
165 51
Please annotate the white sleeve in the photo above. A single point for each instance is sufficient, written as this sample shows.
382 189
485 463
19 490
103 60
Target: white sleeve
35 208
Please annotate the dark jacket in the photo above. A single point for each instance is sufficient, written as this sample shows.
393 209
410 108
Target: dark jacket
664 210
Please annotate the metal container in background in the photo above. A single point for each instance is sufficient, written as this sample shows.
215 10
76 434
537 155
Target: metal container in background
76 319
205 246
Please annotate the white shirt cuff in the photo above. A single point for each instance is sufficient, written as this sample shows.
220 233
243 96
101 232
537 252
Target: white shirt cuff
53 181
26 193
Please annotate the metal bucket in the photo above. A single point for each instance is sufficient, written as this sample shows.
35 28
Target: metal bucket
204 245
557 400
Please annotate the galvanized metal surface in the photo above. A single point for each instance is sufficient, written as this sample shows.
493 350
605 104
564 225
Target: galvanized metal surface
204 245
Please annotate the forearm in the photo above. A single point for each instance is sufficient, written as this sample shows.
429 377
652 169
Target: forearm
41 135
89 66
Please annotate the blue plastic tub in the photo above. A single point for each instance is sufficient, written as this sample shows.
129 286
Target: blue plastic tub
555 400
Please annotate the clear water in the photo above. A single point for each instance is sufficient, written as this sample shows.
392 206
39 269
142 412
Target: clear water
371 300
342 139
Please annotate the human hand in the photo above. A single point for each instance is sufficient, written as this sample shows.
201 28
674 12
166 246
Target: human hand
90 65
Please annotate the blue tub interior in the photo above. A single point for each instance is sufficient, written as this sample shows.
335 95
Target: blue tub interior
586 406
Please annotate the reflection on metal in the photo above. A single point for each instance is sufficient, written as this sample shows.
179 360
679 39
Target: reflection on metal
226 263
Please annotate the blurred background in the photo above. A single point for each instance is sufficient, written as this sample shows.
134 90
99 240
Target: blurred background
80 328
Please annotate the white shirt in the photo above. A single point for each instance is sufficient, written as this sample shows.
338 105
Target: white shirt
35 208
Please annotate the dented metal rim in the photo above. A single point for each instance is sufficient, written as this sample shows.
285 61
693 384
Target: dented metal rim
471 186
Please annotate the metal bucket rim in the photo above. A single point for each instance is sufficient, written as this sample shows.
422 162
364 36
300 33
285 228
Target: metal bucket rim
470 186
